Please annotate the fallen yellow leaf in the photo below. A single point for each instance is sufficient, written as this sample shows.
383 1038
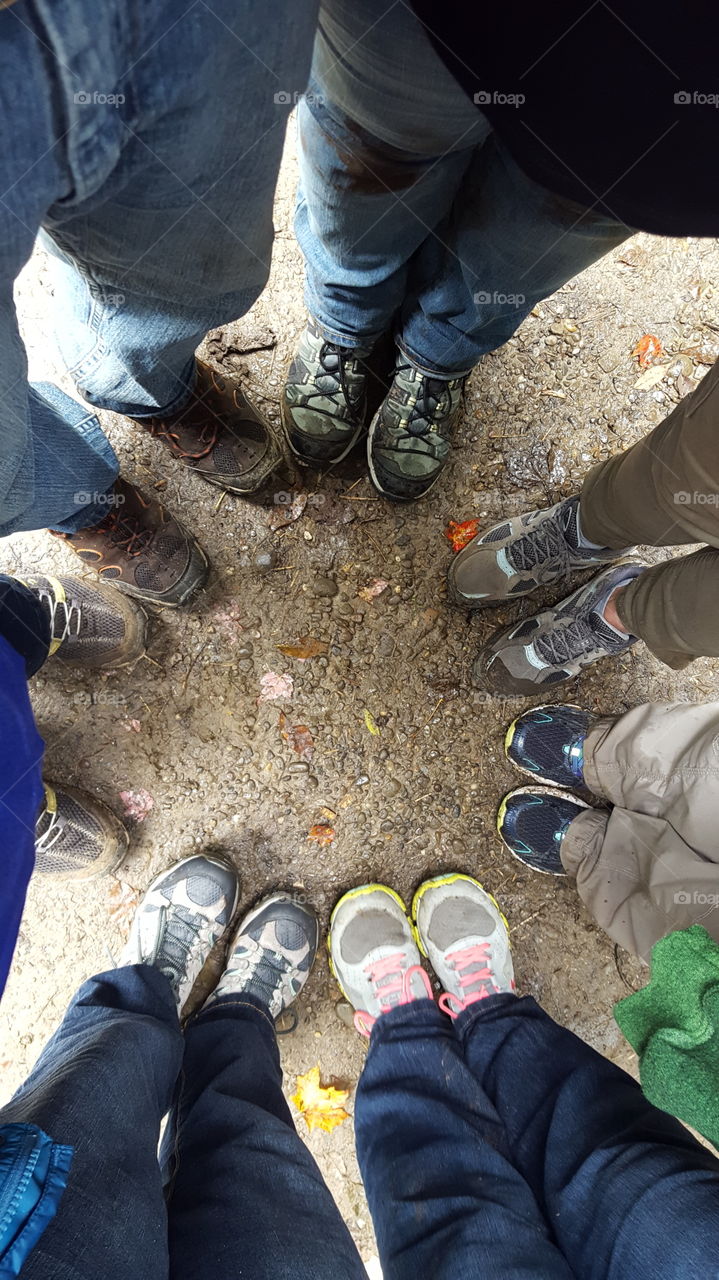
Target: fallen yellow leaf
371 723
320 1105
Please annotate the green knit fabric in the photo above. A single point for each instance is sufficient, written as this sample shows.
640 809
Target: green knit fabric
673 1024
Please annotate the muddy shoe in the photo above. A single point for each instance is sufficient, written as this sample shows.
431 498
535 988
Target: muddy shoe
466 938
220 435
532 822
558 643
184 913
547 742
142 549
409 437
374 954
90 624
76 837
324 399
271 954
519 555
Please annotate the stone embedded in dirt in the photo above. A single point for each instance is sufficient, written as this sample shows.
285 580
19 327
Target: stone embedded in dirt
265 561
324 587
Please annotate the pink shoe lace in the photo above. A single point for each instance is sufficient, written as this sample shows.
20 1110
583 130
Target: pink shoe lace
462 961
399 985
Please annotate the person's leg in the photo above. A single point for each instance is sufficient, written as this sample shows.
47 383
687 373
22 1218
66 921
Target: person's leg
445 1196
628 1190
246 1196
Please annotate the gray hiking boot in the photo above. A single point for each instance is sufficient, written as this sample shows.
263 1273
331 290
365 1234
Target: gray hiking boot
374 955
271 954
409 437
466 938
76 837
324 399
558 643
516 556
91 624
183 914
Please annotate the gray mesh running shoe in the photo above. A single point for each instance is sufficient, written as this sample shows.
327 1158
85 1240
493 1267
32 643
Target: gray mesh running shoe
374 955
324 399
271 954
409 437
183 914
465 936
76 837
516 556
558 643
92 624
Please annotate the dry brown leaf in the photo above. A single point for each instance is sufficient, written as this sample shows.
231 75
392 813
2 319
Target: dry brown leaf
306 647
322 833
286 513
651 377
298 736
123 902
322 1107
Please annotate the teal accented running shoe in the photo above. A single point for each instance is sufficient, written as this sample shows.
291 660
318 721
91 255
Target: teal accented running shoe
547 742
532 822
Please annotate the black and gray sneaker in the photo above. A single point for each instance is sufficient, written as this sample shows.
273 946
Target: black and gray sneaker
516 556
547 742
91 624
409 436
558 643
76 837
271 954
182 916
324 399
532 822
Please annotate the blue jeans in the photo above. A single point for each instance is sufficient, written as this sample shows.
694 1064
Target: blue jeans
146 143
500 1146
410 211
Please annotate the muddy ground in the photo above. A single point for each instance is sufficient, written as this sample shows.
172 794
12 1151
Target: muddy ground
185 723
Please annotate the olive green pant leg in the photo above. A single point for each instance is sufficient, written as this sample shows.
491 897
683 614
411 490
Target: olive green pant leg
651 864
663 492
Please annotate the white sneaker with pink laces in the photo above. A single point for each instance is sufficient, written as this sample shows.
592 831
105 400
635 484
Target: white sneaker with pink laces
463 932
374 955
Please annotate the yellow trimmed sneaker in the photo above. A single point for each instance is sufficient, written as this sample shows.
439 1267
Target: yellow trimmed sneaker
466 938
76 837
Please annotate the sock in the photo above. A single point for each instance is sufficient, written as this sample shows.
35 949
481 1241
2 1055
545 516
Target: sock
583 542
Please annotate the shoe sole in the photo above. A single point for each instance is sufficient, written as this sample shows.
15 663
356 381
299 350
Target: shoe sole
451 878
501 812
360 892
509 737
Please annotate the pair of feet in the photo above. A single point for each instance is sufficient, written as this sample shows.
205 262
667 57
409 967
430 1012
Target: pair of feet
548 744
139 546
520 555
93 627
373 942
325 412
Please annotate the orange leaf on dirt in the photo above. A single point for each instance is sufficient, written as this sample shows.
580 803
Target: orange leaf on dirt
321 1106
298 737
460 532
648 349
322 833
123 901
306 647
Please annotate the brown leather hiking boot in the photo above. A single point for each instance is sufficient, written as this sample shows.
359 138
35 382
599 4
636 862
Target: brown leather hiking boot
142 549
220 435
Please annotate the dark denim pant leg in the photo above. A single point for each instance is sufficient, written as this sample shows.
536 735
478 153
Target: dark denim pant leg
446 1199
627 1189
102 1086
246 1197
24 623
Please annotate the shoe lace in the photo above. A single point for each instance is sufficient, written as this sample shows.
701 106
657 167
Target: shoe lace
422 417
546 547
207 434
574 641
67 612
52 833
268 967
392 987
335 361
181 929
472 965
124 532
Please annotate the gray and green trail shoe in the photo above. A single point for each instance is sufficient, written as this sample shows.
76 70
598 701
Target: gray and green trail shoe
76 837
466 938
91 624
374 954
182 916
558 643
324 399
518 555
409 437
271 954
